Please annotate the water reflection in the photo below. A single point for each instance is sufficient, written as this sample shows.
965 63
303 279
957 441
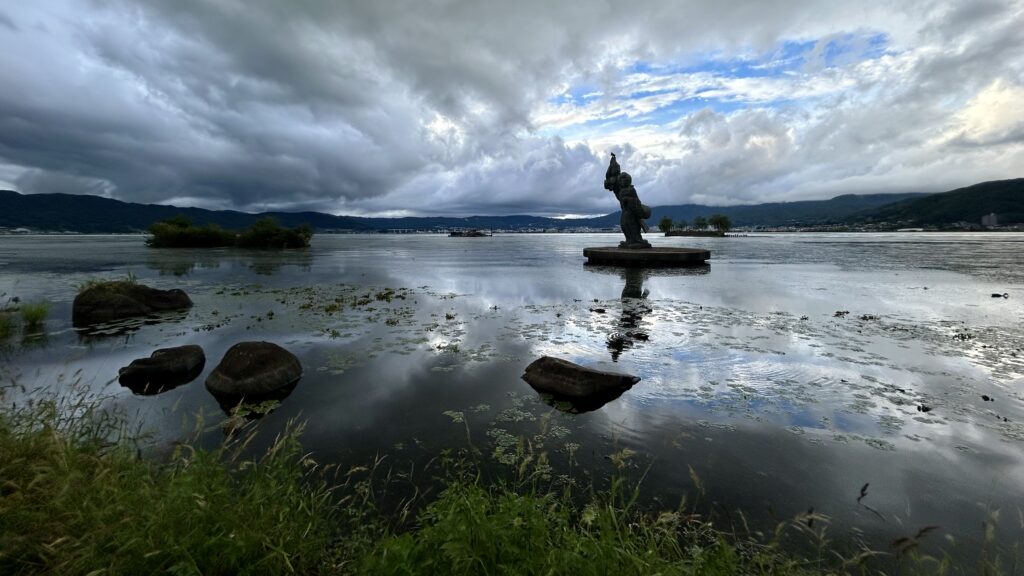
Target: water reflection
253 407
632 329
91 333
181 264
185 262
268 264
748 377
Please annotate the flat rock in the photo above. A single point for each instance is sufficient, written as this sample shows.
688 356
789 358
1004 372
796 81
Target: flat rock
657 256
165 369
117 300
574 382
254 370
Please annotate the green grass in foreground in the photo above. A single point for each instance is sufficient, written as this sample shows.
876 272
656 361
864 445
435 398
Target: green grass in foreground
179 232
33 314
73 503
6 325
75 498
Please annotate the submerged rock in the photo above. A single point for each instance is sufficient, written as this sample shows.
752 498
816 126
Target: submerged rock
574 382
254 370
116 300
165 369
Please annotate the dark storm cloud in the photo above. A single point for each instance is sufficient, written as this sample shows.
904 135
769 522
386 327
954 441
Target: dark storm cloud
440 107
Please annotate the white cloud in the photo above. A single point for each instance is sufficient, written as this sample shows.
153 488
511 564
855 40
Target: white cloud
452 107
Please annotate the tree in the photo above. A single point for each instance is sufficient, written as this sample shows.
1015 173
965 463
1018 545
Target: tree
680 223
700 223
720 222
665 224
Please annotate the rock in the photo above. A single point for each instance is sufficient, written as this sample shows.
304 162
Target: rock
572 381
254 370
165 369
116 300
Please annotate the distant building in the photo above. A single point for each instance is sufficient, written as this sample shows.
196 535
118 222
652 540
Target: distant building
990 220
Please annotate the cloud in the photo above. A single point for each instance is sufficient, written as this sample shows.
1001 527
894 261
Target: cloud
994 116
463 107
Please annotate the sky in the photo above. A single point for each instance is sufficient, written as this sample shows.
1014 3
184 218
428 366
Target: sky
463 107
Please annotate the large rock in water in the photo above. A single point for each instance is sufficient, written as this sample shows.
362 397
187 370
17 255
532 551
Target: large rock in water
254 370
165 369
117 300
574 382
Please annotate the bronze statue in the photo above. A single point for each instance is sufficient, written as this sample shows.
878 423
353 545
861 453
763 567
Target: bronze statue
633 211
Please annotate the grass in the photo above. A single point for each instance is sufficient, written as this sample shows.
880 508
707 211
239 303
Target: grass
76 498
6 325
179 232
124 285
34 314
473 529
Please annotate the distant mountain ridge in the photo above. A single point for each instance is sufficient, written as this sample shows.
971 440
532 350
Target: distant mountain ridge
94 214
774 214
1005 198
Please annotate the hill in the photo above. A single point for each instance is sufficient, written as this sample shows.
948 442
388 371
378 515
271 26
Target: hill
1005 198
94 214
774 214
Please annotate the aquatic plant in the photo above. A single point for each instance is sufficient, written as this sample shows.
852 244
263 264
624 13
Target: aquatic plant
33 314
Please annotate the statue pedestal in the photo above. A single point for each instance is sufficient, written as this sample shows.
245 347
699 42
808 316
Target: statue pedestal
652 257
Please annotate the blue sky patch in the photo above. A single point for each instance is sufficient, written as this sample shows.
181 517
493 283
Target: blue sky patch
789 59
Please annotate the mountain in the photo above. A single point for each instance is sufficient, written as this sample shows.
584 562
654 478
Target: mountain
94 214
773 214
1005 198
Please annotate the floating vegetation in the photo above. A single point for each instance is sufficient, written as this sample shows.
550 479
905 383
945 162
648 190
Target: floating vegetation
456 416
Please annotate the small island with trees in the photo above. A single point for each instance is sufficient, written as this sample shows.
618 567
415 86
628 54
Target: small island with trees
719 223
266 233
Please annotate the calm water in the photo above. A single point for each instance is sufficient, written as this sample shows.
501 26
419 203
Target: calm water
749 377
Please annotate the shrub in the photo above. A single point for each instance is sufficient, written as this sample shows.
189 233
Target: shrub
720 222
267 233
665 224
179 232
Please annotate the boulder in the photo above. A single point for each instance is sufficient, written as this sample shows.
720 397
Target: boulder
165 369
253 370
571 381
117 300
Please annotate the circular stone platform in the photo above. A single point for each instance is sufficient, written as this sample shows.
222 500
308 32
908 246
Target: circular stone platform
647 256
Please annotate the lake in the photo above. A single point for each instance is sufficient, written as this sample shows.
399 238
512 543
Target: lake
785 376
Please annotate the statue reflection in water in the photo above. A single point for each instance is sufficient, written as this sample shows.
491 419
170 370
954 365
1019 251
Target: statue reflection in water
631 329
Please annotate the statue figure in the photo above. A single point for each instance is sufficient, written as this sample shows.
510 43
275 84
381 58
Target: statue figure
611 176
633 211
